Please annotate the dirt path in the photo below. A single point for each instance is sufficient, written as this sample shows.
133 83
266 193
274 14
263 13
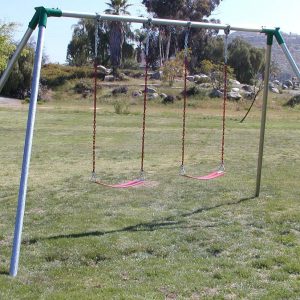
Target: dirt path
10 102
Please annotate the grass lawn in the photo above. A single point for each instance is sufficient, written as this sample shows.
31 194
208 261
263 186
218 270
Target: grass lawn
174 239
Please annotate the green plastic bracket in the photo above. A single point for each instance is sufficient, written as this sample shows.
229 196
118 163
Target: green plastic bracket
270 39
274 32
270 33
279 36
41 15
34 21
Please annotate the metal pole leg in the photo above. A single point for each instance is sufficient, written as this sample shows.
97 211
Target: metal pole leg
291 60
264 114
27 153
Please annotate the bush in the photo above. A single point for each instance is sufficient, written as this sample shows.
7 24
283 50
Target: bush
120 90
293 101
53 75
121 107
174 68
192 91
130 64
83 87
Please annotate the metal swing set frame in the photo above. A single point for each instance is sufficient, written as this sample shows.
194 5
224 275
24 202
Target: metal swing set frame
40 20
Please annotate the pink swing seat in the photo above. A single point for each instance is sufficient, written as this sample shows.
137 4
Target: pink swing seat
122 185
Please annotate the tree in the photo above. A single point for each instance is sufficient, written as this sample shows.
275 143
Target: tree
81 49
6 45
246 60
175 67
18 82
116 32
194 10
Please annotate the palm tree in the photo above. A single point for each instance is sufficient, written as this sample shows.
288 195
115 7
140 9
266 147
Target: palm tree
116 32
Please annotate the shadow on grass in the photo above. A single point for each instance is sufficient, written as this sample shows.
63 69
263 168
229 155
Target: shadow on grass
149 226
4 273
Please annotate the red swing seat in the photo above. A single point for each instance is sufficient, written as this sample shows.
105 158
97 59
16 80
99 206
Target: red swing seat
123 185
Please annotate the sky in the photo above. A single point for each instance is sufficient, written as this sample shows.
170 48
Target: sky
244 13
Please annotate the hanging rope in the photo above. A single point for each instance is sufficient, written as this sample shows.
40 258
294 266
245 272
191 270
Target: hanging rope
227 31
186 39
95 94
142 175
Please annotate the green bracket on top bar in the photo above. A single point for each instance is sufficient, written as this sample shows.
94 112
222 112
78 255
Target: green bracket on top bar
41 15
274 32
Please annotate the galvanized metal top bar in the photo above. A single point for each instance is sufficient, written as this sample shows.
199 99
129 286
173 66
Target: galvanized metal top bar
156 21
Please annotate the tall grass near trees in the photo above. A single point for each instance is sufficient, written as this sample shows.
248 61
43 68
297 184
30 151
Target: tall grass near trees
179 238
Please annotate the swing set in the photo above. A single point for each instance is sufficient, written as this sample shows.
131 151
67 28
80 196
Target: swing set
220 171
40 20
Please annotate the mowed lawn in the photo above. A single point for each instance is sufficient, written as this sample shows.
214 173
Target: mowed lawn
175 238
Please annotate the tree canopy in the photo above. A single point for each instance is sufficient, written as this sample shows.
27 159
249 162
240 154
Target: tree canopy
19 81
247 61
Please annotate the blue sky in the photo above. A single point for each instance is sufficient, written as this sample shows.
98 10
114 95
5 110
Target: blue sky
250 13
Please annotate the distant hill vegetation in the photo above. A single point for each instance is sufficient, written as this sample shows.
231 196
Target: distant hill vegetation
259 40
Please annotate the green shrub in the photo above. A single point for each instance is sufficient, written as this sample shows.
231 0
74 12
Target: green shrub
121 107
130 64
53 75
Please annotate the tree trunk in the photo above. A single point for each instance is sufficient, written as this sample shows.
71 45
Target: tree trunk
168 45
116 39
160 50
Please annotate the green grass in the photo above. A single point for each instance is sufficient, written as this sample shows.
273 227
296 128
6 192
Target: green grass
180 239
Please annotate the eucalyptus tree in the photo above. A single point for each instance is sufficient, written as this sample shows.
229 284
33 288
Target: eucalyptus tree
117 32
172 37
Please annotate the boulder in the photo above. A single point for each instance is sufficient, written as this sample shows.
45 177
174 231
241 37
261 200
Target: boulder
288 83
136 94
271 85
248 88
277 82
103 70
151 90
234 82
123 77
109 78
275 90
284 87
168 99
235 90
215 93
190 78
248 95
120 90
234 96
152 96
163 95
156 75
293 101
202 78
204 85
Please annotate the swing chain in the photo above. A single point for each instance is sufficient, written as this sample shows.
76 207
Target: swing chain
93 177
182 170
186 39
227 32
97 39
148 26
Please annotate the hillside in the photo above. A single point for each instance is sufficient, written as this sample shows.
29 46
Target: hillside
259 40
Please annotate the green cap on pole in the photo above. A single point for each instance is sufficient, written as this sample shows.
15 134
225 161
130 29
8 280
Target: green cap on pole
270 33
279 36
41 15
270 39
34 21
